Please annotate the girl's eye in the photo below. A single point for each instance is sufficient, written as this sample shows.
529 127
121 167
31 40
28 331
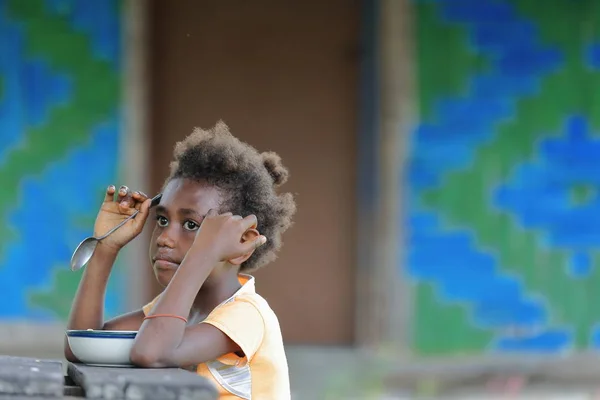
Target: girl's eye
161 221
190 225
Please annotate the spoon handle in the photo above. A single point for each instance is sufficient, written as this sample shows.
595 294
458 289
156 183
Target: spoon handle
155 201
118 226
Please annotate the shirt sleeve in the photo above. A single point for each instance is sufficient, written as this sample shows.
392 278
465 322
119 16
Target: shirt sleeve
148 307
242 322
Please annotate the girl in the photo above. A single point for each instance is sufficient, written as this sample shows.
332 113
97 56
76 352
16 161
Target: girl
218 219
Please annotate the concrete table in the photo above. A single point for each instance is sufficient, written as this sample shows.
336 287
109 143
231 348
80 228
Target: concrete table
30 378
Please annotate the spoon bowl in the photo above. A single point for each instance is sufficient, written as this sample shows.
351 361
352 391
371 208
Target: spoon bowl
83 253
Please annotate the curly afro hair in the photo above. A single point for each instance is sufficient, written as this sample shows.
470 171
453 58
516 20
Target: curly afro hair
246 180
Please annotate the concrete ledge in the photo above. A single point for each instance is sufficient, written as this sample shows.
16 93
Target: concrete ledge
31 377
136 383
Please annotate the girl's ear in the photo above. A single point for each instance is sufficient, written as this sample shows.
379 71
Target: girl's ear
249 235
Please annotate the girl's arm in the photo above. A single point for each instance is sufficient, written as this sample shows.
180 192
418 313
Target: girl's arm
165 341
87 311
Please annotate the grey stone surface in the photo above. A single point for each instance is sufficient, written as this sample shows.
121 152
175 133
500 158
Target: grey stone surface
141 384
97 382
74 391
11 397
31 377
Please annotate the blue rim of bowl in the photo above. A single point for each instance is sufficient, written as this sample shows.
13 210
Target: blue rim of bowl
102 334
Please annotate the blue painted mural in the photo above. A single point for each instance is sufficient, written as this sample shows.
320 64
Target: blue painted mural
504 209
59 140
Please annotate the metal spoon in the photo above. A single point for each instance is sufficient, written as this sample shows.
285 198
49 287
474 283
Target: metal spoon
86 248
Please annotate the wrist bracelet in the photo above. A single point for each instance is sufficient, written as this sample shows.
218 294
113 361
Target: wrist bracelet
166 315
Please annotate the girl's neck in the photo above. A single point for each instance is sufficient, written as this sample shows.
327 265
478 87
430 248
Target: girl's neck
216 290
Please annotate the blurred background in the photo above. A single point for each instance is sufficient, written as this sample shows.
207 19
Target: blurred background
445 157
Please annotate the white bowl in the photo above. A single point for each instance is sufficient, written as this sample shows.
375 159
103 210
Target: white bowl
102 348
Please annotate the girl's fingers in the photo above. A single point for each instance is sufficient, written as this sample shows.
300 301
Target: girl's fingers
110 194
139 198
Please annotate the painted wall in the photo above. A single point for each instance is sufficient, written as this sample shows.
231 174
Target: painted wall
59 140
504 210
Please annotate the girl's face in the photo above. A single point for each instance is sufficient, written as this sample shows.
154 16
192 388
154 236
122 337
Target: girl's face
178 216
